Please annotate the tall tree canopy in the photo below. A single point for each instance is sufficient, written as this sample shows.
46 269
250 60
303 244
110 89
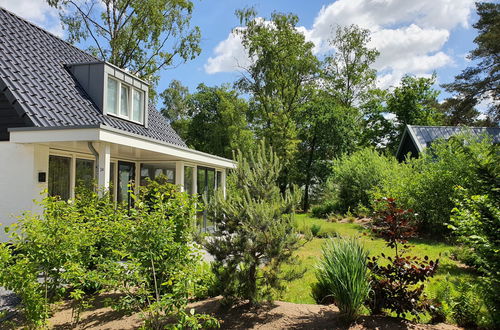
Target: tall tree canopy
347 72
279 79
213 119
414 102
142 36
482 81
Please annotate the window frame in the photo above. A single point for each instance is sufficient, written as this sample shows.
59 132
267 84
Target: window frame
130 101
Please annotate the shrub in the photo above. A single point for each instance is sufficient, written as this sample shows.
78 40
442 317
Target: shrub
315 229
427 184
355 175
324 209
89 245
475 221
255 233
398 281
342 275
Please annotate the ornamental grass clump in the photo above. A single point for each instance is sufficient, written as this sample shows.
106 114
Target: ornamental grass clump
342 275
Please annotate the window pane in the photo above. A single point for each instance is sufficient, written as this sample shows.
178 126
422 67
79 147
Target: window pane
219 179
59 174
112 97
124 95
112 180
138 106
153 171
201 181
188 179
84 175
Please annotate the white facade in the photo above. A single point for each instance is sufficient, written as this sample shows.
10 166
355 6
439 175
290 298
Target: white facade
24 161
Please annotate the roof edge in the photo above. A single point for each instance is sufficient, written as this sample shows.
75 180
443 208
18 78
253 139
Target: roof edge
119 131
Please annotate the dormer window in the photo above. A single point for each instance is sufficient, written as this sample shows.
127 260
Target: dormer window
124 101
115 91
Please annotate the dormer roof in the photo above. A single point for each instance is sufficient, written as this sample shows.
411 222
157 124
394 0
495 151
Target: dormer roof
36 80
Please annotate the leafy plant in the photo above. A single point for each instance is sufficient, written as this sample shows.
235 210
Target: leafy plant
342 275
315 229
398 281
255 231
355 175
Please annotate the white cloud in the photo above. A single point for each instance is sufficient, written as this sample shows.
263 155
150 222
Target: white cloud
410 35
230 55
36 11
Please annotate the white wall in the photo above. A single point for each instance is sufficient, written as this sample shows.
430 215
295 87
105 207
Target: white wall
19 168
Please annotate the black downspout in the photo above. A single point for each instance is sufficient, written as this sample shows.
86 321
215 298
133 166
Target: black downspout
96 155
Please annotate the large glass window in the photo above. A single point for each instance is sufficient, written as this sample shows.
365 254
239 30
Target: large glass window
219 179
112 96
124 97
206 186
188 179
84 175
153 171
138 105
59 176
126 173
125 101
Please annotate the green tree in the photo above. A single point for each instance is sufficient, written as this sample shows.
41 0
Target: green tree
348 74
481 82
255 234
142 36
377 128
279 80
459 112
219 124
176 107
326 130
414 102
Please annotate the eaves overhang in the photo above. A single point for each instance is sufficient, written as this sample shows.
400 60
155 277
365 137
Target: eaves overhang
102 133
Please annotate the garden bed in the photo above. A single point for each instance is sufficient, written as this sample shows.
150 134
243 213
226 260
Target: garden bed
277 315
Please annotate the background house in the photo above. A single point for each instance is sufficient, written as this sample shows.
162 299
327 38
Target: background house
416 138
67 118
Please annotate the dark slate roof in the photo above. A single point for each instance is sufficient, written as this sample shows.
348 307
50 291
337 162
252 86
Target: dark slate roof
423 136
34 79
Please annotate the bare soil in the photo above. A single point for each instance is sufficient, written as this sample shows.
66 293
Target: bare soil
277 315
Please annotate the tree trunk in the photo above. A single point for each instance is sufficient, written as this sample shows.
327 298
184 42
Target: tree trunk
308 172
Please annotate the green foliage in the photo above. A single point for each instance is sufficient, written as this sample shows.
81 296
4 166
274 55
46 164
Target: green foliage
279 79
255 234
354 176
324 209
315 229
413 103
213 119
139 35
480 82
342 275
89 245
348 73
473 223
427 184
398 281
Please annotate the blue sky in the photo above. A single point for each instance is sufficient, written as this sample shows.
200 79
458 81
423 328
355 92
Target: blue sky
415 37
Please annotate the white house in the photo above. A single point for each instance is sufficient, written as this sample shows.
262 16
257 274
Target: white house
66 117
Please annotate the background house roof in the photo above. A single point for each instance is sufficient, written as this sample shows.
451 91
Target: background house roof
35 81
425 135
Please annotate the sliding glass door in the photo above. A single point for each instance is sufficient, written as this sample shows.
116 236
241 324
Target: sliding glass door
206 188
126 176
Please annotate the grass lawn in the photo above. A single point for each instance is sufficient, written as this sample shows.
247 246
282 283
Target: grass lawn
299 291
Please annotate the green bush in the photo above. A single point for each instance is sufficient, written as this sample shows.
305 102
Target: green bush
342 276
324 209
90 245
315 229
427 184
255 230
355 175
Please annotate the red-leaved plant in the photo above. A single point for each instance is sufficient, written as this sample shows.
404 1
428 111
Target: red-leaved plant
398 281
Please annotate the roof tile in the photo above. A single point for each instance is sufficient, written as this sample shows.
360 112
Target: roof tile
32 66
